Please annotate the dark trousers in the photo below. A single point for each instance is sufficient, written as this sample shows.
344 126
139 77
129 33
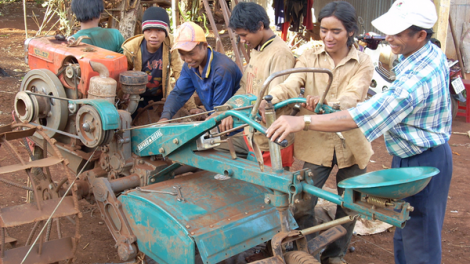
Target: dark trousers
420 240
304 212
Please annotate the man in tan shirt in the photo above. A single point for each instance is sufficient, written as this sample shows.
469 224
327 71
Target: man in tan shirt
321 151
269 54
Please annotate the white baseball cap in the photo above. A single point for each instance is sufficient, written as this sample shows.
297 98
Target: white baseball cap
406 13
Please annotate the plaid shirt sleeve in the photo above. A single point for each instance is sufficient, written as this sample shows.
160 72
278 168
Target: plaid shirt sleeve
383 111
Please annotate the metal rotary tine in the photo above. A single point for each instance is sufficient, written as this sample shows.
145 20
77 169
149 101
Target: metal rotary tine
16 184
31 234
59 233
3 242
48 231
57 206
31 156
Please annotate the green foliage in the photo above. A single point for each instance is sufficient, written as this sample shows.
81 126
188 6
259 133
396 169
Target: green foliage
56 8
190 16
9 1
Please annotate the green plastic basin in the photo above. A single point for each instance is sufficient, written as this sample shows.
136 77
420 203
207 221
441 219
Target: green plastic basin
396 183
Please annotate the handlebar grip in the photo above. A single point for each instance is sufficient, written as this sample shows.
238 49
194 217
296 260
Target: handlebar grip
283 143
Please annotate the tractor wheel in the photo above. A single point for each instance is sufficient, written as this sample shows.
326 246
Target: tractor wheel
299 257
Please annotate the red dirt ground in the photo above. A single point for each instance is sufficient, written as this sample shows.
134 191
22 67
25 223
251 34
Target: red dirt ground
96 244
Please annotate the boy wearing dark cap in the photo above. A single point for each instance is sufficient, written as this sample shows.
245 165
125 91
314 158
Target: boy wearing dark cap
150 52
213 76
88 13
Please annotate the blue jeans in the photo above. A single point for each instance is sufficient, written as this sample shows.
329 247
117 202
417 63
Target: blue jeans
420 240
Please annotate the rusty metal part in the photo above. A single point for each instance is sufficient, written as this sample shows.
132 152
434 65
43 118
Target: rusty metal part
49 112
325 238
274 149
102 86
45 193
72 42
153 191
89 127
381 202
16 184
180 194
276 244
72 188
113 215
133 82
231 148
330 224
286 72
128 182
116 157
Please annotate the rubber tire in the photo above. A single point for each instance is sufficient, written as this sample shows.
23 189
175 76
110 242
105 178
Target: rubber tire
454 106
299 257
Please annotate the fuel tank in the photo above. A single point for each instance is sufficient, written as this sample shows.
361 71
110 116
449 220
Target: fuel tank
221 217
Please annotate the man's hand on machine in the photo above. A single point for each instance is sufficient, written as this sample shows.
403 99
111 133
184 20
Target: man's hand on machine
162 120
226 124
196 111
285 125
312 102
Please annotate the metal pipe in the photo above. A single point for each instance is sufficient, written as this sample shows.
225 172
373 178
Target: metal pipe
48 96
330 224
56 131
128 182
3 242
320 193
285 72
290 101
274 149
134 100
283 215
228 131
334 198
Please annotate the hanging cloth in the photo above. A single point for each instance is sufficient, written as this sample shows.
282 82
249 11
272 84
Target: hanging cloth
308 19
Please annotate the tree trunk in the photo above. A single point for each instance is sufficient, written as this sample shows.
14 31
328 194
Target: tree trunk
130 13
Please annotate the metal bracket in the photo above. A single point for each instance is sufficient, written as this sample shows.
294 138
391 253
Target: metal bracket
164 174
276 199
296 192
113 215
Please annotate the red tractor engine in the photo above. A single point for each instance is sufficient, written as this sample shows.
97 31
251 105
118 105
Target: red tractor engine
62 72
72 64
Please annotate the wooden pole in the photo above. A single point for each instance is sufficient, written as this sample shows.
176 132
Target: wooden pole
173 14
218 41
25 23
442 24
236 51
457 48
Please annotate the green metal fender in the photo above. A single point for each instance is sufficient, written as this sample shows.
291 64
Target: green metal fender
221 217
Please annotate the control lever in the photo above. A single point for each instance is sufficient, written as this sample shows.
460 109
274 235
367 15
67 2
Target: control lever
296 108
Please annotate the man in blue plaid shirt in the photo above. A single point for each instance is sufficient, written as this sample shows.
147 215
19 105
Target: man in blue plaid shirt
414 116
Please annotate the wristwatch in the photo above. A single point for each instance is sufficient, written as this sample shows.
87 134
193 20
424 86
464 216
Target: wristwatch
307 121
